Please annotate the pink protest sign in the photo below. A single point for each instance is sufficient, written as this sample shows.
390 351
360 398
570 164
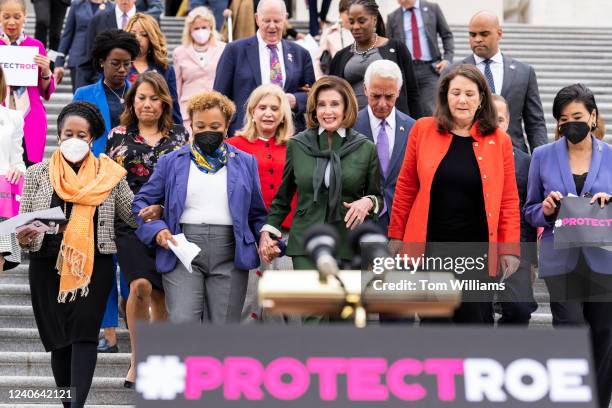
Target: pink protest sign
10 196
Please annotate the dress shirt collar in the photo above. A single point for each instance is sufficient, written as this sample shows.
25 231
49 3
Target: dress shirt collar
341 131
119 13
264 45
376 122
497 58
417 6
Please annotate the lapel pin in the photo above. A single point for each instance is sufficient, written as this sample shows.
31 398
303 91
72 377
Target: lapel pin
232 155
491 141
401 128
512 66
290 57
392 50
425 8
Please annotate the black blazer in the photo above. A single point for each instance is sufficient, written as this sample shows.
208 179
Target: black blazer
106 20
396 51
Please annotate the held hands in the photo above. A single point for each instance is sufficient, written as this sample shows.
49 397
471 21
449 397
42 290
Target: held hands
550 203
394 247
603 198
292 100
151 213
44 63
268 248
163 237
13 175
508 265
358 211
26 236
59 74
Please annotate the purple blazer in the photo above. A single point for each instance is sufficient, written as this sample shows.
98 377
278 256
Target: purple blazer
168 185
35 121
550 171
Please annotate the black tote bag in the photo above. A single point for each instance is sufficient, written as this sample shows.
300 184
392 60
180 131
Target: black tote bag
581 224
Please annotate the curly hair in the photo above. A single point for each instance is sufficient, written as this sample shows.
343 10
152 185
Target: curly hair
159 85
109 40
87 111
158 47
209 100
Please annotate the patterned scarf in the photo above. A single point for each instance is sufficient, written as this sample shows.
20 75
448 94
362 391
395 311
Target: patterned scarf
86 189
209 164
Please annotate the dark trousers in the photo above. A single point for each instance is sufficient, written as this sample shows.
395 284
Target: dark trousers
427 79
580 297
73 366
49 20
517 302
315 15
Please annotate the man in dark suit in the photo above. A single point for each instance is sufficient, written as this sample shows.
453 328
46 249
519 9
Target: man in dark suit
387 127
115 17
265 58
512 79
517 301
418 23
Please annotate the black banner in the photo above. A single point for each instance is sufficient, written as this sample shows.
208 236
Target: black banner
581 224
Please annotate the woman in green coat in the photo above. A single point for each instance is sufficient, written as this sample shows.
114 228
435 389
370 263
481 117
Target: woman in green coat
339 186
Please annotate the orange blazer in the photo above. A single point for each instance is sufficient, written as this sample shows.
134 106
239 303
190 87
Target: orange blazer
426 149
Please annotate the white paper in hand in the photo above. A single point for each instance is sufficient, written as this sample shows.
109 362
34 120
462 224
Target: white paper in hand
185 251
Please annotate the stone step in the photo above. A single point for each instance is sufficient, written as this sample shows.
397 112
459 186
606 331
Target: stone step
104 390
28 340
21 317
38 364
15 294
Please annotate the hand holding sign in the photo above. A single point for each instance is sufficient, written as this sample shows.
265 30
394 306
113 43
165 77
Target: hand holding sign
44 63
603 199
550 203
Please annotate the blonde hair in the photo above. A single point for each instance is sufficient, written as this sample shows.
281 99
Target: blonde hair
205 14
285 129
209 100
158 48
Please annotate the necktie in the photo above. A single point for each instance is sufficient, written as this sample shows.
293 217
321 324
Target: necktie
124 21
276 73
416 41
489 74
382 147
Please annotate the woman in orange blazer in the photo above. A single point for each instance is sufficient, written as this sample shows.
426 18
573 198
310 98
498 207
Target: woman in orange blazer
457 182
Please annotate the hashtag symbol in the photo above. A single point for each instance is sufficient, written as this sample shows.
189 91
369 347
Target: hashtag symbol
160 378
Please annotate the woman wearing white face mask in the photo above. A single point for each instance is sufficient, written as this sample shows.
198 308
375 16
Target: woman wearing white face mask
71 269
195 61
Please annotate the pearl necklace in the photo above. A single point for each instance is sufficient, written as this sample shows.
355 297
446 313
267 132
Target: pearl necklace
363 53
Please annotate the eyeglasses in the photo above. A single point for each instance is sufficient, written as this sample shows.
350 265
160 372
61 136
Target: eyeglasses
121 64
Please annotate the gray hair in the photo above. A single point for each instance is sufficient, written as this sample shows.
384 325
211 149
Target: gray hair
383 69
263 3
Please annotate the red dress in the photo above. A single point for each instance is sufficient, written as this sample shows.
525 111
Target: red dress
270 162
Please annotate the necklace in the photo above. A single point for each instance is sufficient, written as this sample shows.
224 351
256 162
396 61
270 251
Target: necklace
116 94
364 53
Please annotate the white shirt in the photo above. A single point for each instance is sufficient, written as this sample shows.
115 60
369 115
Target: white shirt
376 123
11 150
342 133
119 15
207 201
264 60
497 69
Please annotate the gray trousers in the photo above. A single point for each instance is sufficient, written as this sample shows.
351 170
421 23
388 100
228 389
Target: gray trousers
428 85
215 291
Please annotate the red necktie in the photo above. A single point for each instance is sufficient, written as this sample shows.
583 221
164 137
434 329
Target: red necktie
416 42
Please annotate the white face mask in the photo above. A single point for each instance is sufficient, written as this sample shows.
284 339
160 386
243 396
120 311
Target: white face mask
200 35
74 150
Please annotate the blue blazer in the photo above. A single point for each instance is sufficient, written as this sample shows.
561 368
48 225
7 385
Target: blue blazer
73 43
238 74
403 125
168 185
94 93
550 171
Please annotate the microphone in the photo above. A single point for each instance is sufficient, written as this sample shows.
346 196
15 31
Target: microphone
369 241
320 244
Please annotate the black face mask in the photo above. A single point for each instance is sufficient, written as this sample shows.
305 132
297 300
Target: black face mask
575 132
208 141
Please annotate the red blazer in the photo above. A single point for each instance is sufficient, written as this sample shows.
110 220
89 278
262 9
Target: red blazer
426 149
270 164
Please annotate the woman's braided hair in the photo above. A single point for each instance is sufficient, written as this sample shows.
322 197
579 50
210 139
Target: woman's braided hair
372 9
87 111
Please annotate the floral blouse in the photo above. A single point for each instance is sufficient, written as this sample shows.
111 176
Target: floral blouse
130 150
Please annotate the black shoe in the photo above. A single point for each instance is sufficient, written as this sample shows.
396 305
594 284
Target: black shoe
104 347
128 384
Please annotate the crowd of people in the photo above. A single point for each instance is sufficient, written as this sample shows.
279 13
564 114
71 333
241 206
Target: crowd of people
242 146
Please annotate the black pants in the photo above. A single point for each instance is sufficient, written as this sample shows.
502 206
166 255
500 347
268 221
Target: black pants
517 302
73 366
315 15
580 297
49 20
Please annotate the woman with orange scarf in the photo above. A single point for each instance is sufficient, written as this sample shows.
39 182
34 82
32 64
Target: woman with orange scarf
71 268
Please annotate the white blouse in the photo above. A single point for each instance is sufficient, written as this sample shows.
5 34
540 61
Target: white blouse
11 139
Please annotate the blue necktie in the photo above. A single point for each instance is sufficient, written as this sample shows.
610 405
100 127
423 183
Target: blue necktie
489 74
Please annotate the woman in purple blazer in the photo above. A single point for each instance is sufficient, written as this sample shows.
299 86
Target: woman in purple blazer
27 99
578 164
211 193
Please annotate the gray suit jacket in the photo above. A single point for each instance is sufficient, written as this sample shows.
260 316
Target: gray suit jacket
520 89
435 24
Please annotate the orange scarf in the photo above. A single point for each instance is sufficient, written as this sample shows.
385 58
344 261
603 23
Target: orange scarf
86 189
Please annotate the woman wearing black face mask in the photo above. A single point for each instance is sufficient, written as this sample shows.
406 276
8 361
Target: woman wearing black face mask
578 164
211 193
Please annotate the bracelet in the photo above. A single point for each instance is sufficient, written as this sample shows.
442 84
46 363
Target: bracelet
46 78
